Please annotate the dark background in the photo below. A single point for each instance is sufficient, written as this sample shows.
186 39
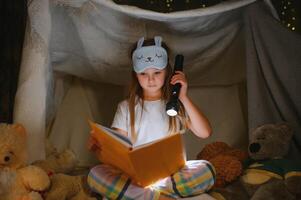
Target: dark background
13 15
13 22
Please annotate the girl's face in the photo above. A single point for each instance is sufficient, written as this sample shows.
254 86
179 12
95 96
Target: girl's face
151 80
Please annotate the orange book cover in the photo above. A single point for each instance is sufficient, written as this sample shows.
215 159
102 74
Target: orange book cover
145 164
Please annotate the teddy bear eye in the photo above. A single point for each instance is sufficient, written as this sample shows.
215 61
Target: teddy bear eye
159 56
139 57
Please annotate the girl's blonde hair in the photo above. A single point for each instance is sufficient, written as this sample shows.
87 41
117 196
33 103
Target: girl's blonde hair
135 96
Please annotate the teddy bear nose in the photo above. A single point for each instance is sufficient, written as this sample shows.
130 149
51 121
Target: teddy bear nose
6 159
254 147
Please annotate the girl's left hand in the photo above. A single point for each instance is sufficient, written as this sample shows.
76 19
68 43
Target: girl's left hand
180 77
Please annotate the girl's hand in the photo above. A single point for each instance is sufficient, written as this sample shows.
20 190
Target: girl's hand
93 145
179 77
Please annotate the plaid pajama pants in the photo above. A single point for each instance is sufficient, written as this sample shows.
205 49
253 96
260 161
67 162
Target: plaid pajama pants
196 177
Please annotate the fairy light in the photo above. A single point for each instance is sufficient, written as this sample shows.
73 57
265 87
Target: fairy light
169 5
289 10
289 13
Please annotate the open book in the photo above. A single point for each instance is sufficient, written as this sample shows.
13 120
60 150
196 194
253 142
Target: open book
145 164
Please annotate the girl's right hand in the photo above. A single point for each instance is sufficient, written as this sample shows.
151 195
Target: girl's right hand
93 145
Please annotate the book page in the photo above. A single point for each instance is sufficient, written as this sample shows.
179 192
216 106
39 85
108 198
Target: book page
123 139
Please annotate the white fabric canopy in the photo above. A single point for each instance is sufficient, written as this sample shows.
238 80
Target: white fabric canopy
76 63
93 41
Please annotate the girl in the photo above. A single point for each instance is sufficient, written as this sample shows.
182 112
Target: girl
142 117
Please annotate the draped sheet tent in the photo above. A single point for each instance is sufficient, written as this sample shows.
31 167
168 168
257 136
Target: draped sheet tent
241 64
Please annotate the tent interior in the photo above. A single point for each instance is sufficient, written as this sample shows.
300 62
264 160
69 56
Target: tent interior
240 62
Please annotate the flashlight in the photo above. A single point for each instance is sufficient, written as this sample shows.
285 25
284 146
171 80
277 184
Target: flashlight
172 107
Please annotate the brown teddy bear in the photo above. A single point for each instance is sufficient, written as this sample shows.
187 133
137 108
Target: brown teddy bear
17 179
226 160
271 175
268 173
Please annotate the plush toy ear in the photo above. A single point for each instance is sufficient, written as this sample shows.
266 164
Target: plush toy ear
286 129
140 42
20 129
158 40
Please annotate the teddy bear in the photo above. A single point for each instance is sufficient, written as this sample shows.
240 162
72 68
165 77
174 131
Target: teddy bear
226 160
60 167
69 187
18 180
268 174
58 162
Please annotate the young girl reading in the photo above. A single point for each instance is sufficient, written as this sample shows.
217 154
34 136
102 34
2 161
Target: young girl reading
142 117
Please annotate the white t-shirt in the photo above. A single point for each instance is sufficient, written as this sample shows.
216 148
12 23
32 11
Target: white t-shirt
152 125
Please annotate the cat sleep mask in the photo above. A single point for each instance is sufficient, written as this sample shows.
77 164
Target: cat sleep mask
145 57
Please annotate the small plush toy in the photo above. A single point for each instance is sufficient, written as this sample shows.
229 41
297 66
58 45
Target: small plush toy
17 179
268 175
66 187
57 162
227 161
59 166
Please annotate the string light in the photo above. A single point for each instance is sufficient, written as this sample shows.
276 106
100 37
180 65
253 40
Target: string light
169 5
289 13
289 10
